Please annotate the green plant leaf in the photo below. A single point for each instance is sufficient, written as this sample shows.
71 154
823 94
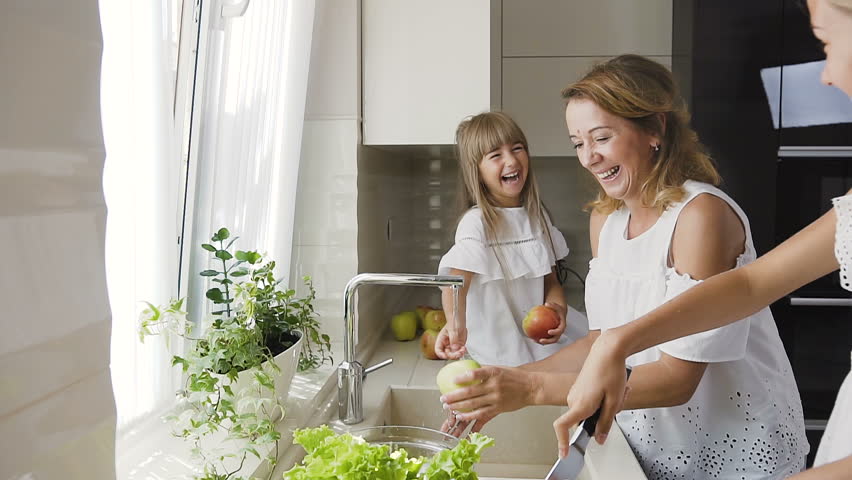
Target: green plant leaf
215 294
222 234
208 247
250 257
209 273
224 254
239 273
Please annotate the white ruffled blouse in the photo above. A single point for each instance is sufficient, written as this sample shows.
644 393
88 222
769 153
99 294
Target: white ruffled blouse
496 304
745 418
836 442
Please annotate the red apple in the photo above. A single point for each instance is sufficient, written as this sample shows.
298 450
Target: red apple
539 320
427 344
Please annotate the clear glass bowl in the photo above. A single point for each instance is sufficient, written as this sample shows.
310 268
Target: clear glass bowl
417 441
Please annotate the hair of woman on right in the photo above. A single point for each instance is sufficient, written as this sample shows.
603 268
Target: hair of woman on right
817 250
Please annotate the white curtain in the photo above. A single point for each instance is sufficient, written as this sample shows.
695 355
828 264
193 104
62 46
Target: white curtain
57 415
249 142
141 185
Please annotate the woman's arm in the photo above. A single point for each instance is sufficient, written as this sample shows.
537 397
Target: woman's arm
839 470
554 297
720 300
451 340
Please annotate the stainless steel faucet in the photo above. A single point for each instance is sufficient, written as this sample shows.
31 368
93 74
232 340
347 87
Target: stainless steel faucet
350 373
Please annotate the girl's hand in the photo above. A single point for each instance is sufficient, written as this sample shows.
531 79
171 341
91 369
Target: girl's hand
450 343
555 333
601 383
502 389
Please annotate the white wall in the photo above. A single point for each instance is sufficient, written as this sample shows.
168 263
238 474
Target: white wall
56 407
325 237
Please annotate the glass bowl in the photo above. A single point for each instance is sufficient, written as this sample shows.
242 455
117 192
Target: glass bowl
417 441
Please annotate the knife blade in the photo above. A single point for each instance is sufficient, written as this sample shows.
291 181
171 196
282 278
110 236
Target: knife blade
570 466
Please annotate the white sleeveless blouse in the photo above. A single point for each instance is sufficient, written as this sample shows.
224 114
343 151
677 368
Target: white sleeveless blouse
836 442
496 305
745 419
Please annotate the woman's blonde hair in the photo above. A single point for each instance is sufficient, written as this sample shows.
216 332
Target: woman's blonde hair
475 137
643 91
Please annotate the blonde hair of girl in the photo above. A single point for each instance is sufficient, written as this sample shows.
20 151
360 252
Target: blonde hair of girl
640 90
475 137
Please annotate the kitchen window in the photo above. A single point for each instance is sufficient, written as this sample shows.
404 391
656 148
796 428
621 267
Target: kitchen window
203 110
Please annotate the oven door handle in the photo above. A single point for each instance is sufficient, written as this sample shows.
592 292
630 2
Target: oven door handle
820 302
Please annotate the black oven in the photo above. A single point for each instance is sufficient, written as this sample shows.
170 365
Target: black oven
815 321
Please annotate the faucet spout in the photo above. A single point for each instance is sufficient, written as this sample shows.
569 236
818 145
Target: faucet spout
350 373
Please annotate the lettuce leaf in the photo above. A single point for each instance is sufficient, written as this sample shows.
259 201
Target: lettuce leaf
346 457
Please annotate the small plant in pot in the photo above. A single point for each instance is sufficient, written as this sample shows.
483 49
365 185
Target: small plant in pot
238 366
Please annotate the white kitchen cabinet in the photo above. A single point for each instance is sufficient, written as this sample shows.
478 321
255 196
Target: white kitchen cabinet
566 28
531 94
427 65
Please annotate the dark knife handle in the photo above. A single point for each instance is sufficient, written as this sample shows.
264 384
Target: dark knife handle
591 423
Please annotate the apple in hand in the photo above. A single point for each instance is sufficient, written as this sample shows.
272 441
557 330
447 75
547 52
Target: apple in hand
447 375
427 344
539 320
434 320
404 326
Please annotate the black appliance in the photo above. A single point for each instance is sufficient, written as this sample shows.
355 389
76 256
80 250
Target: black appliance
784 177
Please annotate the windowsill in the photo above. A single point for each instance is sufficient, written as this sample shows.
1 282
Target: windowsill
149 451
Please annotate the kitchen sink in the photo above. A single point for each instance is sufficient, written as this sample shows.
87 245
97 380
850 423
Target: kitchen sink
525 445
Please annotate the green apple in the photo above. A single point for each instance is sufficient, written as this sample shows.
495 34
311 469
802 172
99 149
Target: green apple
434 320
422 310
447 375
404 326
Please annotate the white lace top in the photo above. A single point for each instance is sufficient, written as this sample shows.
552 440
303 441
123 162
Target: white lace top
496 306
836 442
745 419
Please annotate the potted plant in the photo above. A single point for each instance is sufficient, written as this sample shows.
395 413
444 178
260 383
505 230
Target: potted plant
239 364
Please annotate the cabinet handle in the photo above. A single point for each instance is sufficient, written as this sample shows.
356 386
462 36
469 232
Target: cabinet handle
815 152
820 302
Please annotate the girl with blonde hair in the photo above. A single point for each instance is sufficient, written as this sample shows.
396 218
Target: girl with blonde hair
505 248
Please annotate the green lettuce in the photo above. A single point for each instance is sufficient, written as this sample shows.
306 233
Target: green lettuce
346 457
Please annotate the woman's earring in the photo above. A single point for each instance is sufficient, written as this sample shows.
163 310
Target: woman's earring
656 148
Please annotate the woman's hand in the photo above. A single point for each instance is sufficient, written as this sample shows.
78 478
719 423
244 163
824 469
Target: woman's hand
555 333
502 389
450 343
600 384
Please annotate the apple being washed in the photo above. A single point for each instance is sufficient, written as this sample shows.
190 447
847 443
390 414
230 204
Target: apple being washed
539 320
447 375
427 344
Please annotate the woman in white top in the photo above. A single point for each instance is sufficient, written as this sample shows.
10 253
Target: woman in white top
815 251
722 404
505 248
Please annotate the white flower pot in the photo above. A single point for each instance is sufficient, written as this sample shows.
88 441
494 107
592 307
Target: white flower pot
250 395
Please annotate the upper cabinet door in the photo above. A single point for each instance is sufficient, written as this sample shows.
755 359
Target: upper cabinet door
811 114
426 66
560 28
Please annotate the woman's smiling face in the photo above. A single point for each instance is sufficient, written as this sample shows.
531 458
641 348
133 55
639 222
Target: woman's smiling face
612 148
